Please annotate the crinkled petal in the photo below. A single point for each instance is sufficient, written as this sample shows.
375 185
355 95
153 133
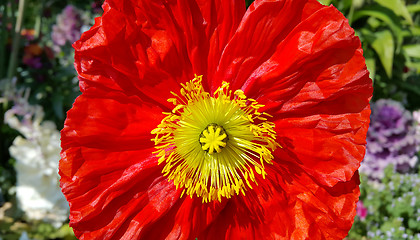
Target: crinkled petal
147 47
289 205
109 174
329 148
264 26
186 220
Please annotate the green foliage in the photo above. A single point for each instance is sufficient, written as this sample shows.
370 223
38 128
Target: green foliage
54 85
7 172
13 230
393 208
54 88
390 35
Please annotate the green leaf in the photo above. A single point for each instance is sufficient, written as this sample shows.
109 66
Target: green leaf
370 63
412 50
371 66
325 2
384 14
412 31
413 8
358 3
415 65
384 47
399 8
374 23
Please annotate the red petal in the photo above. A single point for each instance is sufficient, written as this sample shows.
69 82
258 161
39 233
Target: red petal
186 220
149 47
111 122
328 147
119 53
223 17
264 26
289 205
108 172
319 97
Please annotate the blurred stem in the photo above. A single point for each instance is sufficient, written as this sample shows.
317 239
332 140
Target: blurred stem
38 20
37 27
351 12
12 13
16 40
3 40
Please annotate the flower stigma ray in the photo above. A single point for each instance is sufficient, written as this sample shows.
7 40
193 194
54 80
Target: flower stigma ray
212 146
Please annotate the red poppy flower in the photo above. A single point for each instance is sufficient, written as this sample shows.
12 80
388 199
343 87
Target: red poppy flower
200 119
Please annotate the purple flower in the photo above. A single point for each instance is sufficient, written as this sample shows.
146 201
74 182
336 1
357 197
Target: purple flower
391 139
33 62
361 210
67 27
96 6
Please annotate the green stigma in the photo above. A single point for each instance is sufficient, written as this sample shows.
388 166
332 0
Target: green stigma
213 137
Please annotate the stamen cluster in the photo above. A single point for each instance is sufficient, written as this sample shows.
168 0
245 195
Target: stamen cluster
211 145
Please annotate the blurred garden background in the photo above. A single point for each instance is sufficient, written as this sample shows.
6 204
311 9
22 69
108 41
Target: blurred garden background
38 84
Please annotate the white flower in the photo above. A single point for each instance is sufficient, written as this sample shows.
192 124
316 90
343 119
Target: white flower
37 154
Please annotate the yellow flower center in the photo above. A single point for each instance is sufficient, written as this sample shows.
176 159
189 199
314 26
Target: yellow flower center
213 145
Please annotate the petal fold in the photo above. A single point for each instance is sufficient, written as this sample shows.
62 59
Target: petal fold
292 205
146 47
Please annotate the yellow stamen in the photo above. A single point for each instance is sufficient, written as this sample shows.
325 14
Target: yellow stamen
212 145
